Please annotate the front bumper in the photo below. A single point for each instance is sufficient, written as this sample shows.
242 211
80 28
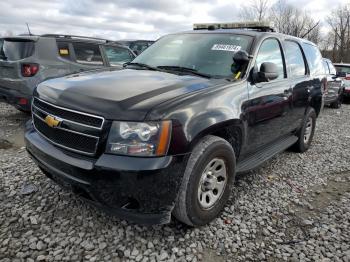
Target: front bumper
142 190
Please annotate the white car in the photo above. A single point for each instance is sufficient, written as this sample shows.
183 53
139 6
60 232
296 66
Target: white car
343 70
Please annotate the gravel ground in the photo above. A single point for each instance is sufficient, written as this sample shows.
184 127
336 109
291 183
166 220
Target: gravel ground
294 208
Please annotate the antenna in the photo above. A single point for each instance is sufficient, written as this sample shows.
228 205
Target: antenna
28 29
309 31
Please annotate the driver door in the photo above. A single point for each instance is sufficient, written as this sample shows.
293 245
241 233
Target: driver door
269 107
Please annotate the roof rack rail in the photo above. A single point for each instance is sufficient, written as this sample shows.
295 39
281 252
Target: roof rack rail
258 26
77 37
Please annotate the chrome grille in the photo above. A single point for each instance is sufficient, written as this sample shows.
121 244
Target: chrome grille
77 131
69 115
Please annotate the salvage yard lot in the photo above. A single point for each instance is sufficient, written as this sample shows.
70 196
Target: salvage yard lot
296 208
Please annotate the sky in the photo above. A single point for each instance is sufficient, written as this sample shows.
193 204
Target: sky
128 19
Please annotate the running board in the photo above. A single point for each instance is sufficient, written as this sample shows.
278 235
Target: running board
257 158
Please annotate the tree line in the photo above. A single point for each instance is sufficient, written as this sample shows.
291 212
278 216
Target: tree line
291 20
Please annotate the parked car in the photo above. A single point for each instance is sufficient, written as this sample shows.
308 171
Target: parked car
168 134
137 46
343 71
334 87
25 61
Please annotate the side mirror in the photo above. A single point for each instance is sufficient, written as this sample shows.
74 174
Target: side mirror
268 72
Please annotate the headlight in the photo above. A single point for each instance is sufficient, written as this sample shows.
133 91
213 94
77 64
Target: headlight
139 139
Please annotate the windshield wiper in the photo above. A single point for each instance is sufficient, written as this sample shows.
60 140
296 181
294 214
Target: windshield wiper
141 65
185 70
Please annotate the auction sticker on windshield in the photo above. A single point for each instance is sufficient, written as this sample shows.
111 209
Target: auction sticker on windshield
230 48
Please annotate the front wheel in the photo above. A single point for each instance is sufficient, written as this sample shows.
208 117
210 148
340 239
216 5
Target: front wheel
207 182
306 133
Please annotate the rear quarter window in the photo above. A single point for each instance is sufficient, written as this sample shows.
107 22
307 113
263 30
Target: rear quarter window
88 54
17 49
314 59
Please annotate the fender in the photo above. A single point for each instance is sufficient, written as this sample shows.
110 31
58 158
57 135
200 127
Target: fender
207 112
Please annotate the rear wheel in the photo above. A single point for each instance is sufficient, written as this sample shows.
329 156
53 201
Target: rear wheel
306 133
207 182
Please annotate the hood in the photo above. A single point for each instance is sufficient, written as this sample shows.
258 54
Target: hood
120 95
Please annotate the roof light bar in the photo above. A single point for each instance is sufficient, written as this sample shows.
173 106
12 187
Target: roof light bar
263 26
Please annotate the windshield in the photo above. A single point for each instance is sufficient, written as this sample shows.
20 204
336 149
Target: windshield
16 49
210 54
343 69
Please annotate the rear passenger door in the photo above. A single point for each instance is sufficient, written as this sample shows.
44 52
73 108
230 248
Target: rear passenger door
268 110
297 73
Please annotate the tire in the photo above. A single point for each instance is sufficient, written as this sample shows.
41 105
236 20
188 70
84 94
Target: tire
303 143
337 104
209 153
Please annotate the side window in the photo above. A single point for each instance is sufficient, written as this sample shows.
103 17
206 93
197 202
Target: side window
63 50
294 59
314 59
332 69
139 47
343 69
88 54
118 55
326 68
270 51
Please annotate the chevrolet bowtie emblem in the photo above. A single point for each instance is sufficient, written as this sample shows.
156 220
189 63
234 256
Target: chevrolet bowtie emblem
52 121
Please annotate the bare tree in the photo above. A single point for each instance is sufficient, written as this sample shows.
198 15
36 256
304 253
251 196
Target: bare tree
291 20
339 21
257 10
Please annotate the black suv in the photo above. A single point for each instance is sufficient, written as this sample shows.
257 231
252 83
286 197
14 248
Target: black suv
168 134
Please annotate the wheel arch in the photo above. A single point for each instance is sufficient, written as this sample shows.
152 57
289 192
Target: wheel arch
230 130
317 103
